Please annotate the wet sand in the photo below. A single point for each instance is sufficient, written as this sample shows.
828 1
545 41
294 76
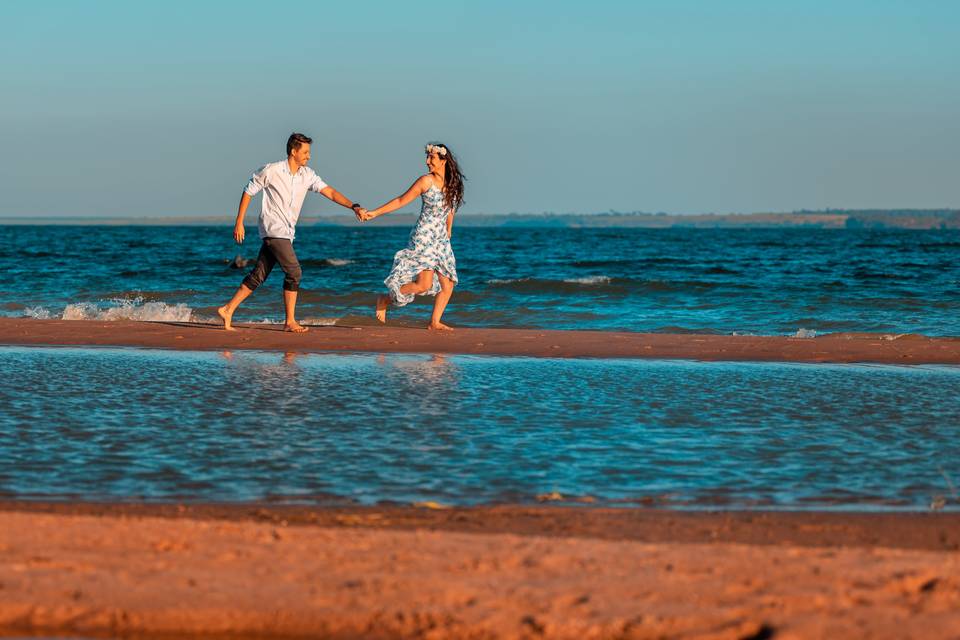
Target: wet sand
487 572
877 348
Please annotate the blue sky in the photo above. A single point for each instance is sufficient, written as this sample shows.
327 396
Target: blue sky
164 109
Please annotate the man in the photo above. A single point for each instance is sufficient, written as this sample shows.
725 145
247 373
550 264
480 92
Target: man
284 185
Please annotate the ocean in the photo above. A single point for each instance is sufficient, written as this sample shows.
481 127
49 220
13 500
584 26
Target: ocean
726 281
153 425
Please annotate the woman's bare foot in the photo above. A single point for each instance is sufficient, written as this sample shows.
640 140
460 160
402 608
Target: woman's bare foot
226 317
438 326
382 303
295 327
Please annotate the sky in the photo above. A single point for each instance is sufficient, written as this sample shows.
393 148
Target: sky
146 109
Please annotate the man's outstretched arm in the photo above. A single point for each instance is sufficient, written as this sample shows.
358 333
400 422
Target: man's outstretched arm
342 200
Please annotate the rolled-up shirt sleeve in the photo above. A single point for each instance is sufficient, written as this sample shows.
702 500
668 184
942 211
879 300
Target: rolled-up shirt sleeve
317 184
257 181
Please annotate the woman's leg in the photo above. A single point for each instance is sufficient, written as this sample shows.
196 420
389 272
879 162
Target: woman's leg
383 301
421 285
440 303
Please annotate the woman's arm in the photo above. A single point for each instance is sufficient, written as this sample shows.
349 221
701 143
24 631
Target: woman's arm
450 223
416 189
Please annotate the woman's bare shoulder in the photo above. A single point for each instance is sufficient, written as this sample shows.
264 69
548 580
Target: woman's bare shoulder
428 180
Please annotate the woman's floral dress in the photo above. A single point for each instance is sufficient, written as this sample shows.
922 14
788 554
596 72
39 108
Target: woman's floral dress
429 248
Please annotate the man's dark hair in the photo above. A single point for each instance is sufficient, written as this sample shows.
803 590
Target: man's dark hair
295 140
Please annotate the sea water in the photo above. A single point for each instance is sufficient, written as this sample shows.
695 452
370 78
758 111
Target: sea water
128 424
754 281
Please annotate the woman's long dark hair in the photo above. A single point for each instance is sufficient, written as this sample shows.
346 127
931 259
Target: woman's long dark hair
453 180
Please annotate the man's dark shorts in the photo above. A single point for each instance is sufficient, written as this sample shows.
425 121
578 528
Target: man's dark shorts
272 251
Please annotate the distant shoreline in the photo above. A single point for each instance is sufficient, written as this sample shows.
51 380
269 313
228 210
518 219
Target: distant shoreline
926 219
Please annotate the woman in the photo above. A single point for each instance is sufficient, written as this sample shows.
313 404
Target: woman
427 266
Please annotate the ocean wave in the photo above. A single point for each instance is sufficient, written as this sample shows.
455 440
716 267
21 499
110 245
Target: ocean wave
312 321
37 313
698 331
589 280
721 271
940 245
148 296
128 309
325 262
547 282
607 284
622 263
866 274
240 262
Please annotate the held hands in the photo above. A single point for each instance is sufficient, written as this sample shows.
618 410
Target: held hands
359 211
363 214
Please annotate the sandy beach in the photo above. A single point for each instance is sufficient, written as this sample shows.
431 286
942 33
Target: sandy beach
428 571
490 572
877 348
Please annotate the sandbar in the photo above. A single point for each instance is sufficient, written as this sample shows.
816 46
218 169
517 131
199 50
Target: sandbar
360 337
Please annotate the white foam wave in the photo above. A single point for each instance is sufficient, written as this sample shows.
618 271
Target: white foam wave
506 281
319 322
308 320
337 262
37 313
128 309
805 333
589 280
582 280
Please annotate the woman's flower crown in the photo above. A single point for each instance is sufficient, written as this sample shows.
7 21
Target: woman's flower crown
437 149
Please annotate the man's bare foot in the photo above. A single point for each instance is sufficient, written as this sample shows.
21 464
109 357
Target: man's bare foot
295 327
227 317
438 326
382 303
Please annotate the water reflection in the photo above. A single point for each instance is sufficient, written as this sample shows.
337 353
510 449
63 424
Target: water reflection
247 425
421 379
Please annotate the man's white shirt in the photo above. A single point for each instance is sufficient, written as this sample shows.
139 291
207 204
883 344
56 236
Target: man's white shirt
283 196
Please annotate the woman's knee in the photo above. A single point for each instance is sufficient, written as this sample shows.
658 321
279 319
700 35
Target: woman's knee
424 281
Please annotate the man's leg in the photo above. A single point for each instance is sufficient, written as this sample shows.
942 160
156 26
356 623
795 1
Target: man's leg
285 255
226 311
290 307
265 262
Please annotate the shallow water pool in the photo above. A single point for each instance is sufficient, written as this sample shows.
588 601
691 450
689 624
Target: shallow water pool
127 424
